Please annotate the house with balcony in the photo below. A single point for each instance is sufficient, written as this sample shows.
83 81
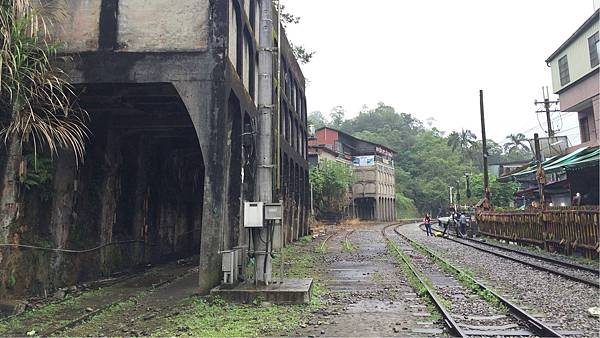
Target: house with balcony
575 78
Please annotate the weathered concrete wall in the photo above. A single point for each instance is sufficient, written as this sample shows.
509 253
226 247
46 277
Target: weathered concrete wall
163 25
77 25
141 25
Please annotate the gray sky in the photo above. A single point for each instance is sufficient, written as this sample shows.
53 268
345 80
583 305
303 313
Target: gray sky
430 58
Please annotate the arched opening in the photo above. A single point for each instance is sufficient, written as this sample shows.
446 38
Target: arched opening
140 191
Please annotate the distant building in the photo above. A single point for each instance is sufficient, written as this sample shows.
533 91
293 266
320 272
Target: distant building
373 189
575 78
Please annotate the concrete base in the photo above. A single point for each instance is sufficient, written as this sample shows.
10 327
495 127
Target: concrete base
290 291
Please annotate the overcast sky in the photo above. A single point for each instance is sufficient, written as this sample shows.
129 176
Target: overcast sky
429 58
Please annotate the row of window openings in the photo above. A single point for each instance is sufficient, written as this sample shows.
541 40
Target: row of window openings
563 62
293 134
248 71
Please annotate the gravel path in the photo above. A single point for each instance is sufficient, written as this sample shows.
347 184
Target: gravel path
552 298
366 292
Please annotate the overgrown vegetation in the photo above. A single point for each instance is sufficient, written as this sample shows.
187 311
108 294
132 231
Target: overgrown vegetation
330 183
213 317
208 316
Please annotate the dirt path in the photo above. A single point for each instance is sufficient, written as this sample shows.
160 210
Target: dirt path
367 294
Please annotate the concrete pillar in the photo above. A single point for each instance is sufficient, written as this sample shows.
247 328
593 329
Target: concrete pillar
207 115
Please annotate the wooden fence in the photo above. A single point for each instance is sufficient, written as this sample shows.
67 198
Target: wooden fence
567 230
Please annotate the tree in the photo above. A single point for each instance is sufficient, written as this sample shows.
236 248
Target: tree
337 117
330 181
502 194
317 119
36 102
300 52
516 142
462 141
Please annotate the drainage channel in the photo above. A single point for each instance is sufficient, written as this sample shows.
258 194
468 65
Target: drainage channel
467 306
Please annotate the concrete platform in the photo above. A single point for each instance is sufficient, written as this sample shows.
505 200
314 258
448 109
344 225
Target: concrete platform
290 291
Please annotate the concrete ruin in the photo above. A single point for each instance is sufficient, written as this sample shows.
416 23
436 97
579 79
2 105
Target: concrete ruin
373 193
170 87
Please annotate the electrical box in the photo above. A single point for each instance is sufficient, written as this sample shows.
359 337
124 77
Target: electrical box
273 211
253 214
230 266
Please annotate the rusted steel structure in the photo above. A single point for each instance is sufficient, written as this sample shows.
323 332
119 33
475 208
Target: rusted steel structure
171 89
567 230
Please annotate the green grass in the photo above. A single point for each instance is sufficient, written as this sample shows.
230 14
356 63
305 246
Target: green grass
213 317
40 320
347 246
209 316
94 324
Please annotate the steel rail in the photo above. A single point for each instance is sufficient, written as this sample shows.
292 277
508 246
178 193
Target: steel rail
540 257
593 283
539 328
448 319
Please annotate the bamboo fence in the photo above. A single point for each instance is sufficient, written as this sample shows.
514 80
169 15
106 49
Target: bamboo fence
568 230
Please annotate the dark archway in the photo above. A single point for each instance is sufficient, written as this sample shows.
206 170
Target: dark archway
141 190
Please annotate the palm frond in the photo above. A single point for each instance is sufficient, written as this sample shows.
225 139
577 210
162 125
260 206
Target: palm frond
39 100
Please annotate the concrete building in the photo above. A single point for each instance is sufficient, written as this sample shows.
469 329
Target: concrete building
171 89
575 78
373 189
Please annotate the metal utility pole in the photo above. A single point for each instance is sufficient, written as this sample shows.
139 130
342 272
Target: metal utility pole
486 179
541 177
265 140
546 103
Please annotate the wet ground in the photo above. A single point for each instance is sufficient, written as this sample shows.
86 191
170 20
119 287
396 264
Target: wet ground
367 293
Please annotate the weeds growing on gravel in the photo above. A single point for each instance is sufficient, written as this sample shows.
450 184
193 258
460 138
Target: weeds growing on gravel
347 246
413 281
464 277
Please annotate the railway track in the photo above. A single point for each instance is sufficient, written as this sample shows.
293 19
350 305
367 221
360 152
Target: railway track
467 313
575 272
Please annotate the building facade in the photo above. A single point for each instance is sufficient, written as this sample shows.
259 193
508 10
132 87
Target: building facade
373 189
575 78
171 90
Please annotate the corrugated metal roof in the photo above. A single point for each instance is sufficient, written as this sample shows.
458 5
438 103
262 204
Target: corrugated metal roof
580 157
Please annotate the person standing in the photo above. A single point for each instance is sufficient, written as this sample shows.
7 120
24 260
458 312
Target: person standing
427 221
463 225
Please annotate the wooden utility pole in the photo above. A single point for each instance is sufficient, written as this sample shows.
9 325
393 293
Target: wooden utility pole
541 177
486 178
